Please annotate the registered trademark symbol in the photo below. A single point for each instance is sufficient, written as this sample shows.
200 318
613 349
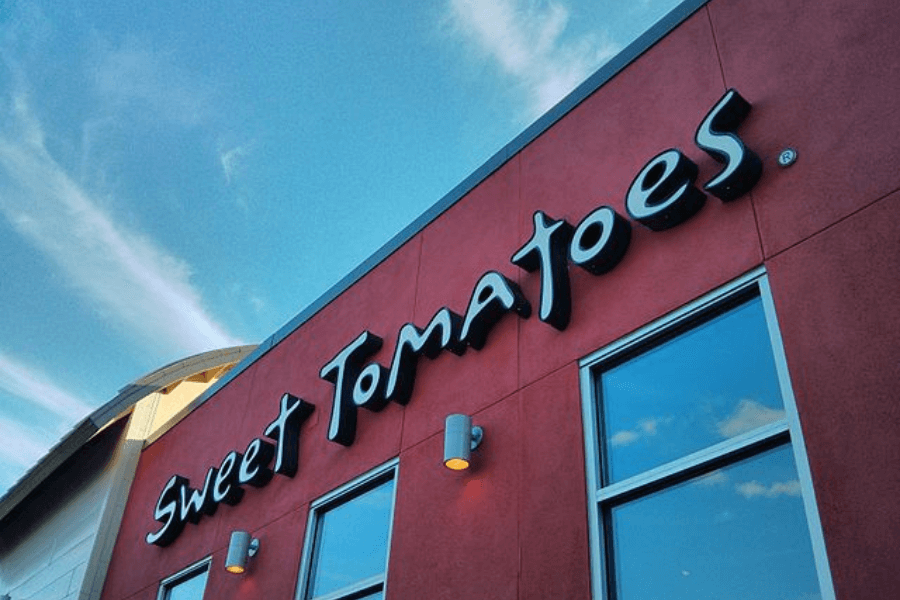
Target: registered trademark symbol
787 157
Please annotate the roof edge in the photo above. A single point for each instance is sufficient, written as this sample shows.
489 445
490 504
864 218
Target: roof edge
593 83
54 459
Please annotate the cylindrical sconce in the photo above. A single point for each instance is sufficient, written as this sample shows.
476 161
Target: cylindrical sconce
460 438
240 548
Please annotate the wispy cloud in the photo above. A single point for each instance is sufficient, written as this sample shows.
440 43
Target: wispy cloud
755 489
125 276
645 428
748 415
257 303
230 161
27 384
24 444
20 447
717 477
137 78
527 41
624 437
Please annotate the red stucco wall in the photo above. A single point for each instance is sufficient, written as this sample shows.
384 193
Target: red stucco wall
824 78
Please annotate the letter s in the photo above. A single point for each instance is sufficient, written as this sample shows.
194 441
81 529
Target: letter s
717 138
167 513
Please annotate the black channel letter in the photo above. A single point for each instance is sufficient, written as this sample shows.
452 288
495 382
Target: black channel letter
167 512
343 370
716 137
255 464
368 391
442 333
663 193
493 296
285 430
600 241
196 503
226 488
547 250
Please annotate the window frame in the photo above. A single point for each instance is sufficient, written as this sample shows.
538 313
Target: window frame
341 495
170 582
784 431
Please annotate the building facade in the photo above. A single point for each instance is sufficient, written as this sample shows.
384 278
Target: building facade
671 306
59 522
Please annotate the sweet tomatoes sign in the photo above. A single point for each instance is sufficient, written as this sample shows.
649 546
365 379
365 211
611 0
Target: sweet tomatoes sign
662 195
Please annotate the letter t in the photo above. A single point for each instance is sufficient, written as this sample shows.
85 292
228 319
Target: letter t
286 431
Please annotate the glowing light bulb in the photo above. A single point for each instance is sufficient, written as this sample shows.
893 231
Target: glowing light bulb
457 464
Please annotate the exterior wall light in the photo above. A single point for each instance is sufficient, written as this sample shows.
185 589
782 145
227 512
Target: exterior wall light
240 548
460 438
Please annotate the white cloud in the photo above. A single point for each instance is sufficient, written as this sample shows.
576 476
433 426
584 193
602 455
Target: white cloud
123 274
137 76
21 447
230 161
25 383
717 477
624 438
257 303
748 415
648 426
644 428
527 40
755 489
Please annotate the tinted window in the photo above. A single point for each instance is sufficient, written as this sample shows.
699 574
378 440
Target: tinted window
351 542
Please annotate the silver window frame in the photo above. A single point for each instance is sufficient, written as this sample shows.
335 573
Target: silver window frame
370 479
786 430
165 586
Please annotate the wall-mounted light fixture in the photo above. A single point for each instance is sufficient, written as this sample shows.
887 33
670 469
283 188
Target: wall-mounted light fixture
240 549
460 438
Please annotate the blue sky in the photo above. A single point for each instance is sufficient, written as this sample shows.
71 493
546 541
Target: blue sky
182 176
